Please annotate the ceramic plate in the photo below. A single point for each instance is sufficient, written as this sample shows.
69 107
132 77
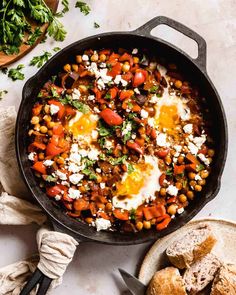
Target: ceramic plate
225 232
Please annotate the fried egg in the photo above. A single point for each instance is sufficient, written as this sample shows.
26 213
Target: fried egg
138 186
83 127
170 109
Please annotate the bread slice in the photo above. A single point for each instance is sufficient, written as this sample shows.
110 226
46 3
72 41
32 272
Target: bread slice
165 282
201 273
225 281
192 246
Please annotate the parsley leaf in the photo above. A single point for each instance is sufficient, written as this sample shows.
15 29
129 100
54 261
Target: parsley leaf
117 161
50 178
130 168
96 25
54 92
56 49
34 36
104 130
80 106
16 74
169 172
2 93
133 214
153 89
56 30
200 167
84 8
90 173
40 60
108 95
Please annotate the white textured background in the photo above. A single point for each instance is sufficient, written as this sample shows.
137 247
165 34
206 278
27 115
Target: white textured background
94 269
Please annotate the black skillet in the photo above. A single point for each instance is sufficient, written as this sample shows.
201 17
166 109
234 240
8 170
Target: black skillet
194 69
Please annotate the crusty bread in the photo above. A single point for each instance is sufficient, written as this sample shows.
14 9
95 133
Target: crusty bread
225 281
201 273
193 246
167 281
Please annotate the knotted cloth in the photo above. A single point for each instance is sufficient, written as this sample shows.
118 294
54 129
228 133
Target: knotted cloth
56 250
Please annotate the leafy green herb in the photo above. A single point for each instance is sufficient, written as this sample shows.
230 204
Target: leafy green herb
80 106
54 92
40 60
108 95
16 74
53 78
130 105
200 167
84 8
153 89
34 36
169 172
102 157
90 173
133 214
4 70
102 141
117 161
2 93
50 178
132 116
88 163
158 95
65 4
104 130
56 49
56 30
96 25
130 168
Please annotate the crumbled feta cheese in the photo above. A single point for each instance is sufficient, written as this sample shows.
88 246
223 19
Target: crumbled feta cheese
76 94
192 148
127 129
74 148
144 114
102 185
199 140
96 110
91 97
117 79
123 82
154 99
83 153
175 160
135 51
101 84
151 122
188 128
98 170
185 114
198 177
75 178
102 65
54 109
31 156
102 224
57 197
161 139
108 144
85 57
65 183
204 159
48 163
136 90
74 168
133 136
94 134
93 154
61 175
75 158
74 193
180 210
172 190
178 148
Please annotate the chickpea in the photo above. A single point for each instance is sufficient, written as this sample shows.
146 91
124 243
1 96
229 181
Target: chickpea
30 132
192 183
139 225
37 127
135 60
82 88
182 198
163 192
125 67
180 159
82 189
41 156
78 59
168 160
201 182
197 188
99 178
94 57
146 224
210 160
178 84
211 152
172 209
204 174
47 118
47 109
191 175
34 120
153 221
67 68
102 57
43 129
50 133
89 220
179 185
101 206
50 125
75 67
60 161
64 155
108 207
190 195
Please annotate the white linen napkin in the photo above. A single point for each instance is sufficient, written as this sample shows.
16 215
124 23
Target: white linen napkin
56 249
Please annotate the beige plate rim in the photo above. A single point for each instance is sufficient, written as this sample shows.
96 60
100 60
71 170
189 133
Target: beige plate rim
151 251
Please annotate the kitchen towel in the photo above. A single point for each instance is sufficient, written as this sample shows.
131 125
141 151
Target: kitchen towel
56 249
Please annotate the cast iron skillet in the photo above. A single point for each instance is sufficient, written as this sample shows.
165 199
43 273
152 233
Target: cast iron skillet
195 69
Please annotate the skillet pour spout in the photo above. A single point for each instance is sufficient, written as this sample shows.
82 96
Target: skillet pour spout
195 69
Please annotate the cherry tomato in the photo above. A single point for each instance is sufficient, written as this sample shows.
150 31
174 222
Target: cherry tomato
39 167
110 117
134 146
139 77
52 191
53 150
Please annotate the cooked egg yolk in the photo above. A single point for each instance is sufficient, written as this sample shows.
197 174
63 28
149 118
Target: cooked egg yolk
83 126
168 117
134 181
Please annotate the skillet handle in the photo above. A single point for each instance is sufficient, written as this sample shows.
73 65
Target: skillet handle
163 20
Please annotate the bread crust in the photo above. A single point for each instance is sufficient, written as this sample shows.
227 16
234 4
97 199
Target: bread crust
165 282
225 281
185 260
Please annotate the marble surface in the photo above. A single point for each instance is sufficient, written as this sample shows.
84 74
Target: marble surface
94 268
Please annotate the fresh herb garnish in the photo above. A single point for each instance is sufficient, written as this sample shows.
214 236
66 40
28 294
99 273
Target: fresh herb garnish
84 8
40 60
2 93
117 161
50 178
133 214
80 106
200 167
16 74
54 92
169 172
34 36
90 173
103 130
153 89
130 105
56 49
108 95
96 25
130 168
53 78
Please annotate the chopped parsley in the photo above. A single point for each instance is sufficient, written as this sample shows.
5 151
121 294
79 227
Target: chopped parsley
96 25
200 167
84 8
80 106
103 130
153 89
169 172
34 36
38 61
133 214
50 178
117 161
108 95
90 173
130 168
54 92
16 74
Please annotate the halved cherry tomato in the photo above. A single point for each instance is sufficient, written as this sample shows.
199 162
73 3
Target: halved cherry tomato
103 215
162 153
134 146
125 94
52 191
140 77
162 178
154 211
113 58
116 70
153 133
81 204
127 57
37 109
58 130
110 117
39 167
105 51
70 111
179 169
62 109
192 159
191 167
113 92
98 95
136 108
53 150
163 224
127 76
122 215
